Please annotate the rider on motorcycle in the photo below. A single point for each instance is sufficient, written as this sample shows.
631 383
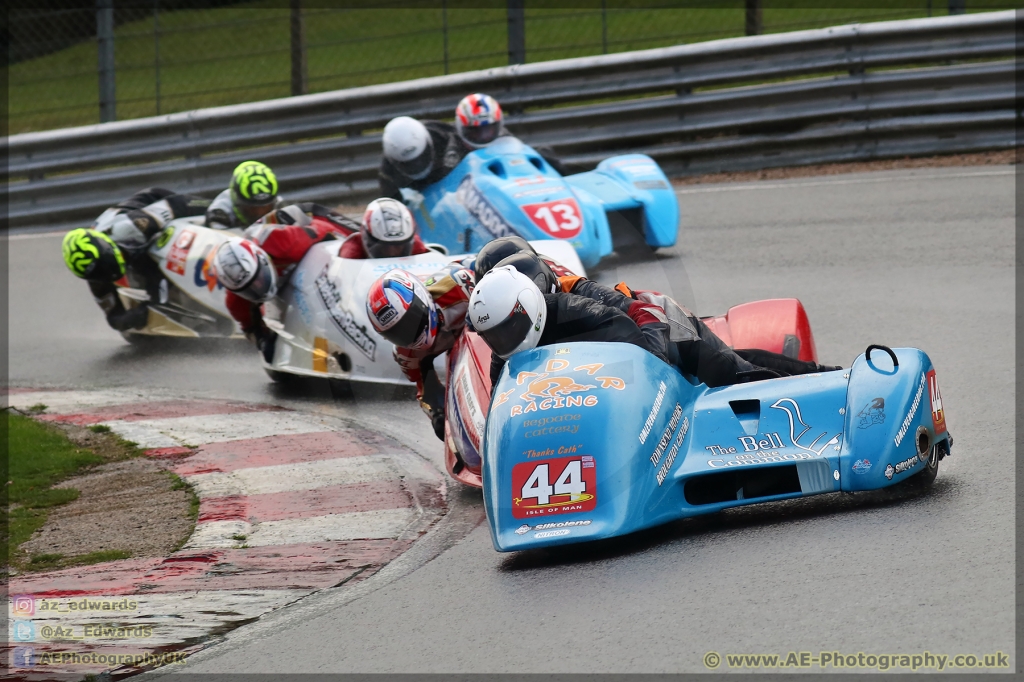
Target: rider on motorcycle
511 314
388 230
422 320
117 243
252 269
417 154
479 121
252 195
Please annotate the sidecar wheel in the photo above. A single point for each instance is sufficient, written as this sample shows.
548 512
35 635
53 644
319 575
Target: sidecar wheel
138 340
279 377
924 478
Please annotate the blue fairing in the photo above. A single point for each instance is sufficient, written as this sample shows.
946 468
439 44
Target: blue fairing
507 188
590 440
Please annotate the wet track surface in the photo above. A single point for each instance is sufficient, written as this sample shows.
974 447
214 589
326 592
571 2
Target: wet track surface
905 258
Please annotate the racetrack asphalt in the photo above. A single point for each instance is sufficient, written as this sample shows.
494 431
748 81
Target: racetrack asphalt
919 257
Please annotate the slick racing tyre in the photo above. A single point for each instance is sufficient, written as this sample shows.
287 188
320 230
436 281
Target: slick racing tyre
138 340
924 478
279 377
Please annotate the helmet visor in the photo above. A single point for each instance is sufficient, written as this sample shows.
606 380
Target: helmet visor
377 248
250 213
261 287
482 134
410 327
505 337
418 167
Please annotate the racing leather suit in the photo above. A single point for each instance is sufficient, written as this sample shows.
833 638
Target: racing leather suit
148 210
286 235
678 337
449 150
354 247
450 288
221 214
571 317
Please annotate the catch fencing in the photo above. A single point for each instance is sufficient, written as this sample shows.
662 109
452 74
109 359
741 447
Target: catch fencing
855 92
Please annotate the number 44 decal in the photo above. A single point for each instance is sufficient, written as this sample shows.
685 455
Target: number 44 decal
554 486
560 218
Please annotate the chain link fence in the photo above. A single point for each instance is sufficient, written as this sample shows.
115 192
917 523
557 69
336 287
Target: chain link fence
167 56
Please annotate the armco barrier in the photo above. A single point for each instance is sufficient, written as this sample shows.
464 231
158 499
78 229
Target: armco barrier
862 91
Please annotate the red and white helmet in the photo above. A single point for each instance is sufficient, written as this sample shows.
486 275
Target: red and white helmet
478 119
402 310
388 229
244 268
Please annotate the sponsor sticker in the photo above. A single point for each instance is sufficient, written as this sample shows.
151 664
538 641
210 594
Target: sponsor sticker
546 392
470 196
178 255
343 319
650 184
871 414
938 415
909 419
562 485
900 467
552 533
655 409
526 528
861 466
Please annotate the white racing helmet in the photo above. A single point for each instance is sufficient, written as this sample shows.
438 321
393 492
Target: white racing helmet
507 310
244 268
407 144
388 229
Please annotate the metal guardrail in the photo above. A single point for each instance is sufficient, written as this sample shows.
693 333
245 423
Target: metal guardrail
863 91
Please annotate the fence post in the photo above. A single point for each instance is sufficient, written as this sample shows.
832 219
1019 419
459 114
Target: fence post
298 49
754 25
444 31
604 27
957 6
105 59
156 50
516 31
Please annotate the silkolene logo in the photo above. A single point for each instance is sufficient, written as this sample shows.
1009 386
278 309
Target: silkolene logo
564 485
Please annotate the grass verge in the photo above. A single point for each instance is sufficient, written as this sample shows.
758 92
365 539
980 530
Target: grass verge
39 456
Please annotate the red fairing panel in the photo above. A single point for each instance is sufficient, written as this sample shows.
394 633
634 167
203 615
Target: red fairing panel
766 325
468 342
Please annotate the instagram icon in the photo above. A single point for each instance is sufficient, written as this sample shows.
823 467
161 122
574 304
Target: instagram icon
24 605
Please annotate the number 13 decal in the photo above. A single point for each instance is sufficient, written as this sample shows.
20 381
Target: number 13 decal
554 486
560 218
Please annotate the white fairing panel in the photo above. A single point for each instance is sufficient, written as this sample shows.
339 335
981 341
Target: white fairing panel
184 259
325 330
562 251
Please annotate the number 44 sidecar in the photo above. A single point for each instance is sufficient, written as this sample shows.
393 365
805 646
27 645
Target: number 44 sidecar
589 440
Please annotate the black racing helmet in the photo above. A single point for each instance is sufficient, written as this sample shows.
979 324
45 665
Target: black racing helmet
497 250
531 265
